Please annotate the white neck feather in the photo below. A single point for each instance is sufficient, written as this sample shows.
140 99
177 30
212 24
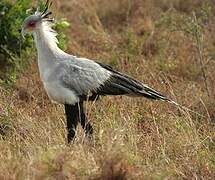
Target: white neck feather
47 47
46 40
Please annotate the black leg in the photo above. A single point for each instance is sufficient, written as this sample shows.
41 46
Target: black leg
72 114
84 122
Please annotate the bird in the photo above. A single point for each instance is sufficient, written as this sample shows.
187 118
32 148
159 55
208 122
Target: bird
71 80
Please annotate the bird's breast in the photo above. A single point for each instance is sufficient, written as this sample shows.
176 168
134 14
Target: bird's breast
60 94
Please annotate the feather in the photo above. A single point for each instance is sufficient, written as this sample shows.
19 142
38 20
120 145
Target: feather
121 84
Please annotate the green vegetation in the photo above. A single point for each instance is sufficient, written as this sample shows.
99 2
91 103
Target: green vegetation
12 48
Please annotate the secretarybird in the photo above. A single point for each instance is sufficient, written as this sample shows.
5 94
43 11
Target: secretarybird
70 80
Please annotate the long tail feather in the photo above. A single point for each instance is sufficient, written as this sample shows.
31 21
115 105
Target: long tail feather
151 93
123 84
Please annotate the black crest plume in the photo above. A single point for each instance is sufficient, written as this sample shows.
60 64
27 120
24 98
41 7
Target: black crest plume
46 13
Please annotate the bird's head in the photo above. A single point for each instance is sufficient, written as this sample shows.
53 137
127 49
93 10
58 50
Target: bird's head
33 22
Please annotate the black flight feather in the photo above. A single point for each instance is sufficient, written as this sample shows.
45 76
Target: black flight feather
121 84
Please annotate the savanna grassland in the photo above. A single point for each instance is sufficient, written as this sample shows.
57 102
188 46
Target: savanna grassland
167 44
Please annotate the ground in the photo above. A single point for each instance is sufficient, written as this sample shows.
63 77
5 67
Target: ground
164 44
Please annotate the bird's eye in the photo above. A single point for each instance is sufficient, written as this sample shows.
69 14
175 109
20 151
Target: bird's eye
31 23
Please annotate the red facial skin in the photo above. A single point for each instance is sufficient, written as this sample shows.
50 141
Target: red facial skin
31 24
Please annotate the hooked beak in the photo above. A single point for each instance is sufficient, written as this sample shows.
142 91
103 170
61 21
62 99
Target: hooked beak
23 32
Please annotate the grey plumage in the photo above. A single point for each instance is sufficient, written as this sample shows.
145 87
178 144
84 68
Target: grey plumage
88 78
82 75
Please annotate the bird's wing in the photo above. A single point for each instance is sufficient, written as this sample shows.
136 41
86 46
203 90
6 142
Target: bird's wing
85 76
119 83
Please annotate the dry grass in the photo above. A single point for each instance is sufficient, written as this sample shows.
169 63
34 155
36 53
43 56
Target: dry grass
134 138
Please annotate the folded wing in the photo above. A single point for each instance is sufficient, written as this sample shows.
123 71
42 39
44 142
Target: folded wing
89 78
119 83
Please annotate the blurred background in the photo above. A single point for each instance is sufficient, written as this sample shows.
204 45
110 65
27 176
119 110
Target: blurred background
167 44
